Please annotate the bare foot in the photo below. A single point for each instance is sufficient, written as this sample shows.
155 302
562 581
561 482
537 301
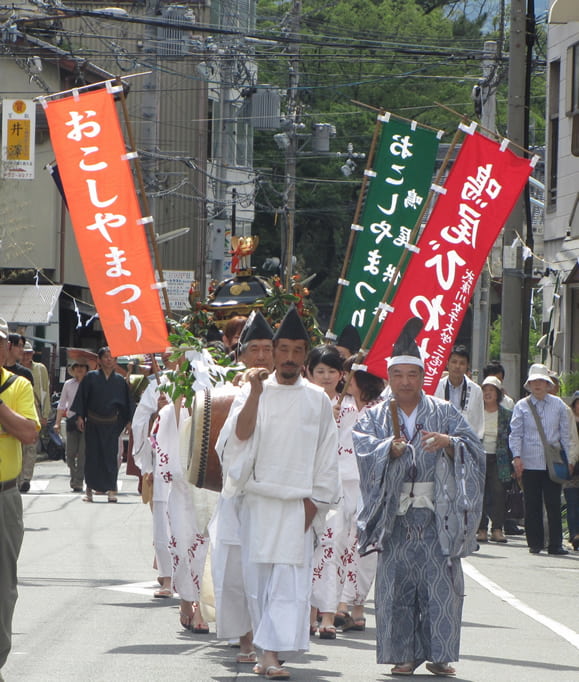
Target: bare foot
186 614
246 643
199 625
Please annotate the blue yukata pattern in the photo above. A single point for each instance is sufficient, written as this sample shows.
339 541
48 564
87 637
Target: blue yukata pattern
419 581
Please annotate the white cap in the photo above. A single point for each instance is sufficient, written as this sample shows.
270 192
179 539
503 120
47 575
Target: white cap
493 381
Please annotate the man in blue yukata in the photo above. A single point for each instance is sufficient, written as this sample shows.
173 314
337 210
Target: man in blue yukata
422 471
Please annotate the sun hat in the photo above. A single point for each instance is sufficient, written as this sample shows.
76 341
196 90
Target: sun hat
28 347
538 372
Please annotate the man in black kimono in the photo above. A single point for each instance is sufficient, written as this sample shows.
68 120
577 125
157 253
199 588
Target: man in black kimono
104 406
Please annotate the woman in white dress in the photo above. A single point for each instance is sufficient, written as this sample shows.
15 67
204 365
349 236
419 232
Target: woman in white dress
356 573
324 367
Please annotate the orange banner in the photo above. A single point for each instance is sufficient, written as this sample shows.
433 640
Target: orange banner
96 175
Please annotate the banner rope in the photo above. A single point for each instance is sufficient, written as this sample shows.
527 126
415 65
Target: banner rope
386 116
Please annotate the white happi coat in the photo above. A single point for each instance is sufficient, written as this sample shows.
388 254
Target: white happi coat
291 455
473 410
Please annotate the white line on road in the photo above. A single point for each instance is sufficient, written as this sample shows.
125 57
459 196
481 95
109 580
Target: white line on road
39 485
558 628
148 588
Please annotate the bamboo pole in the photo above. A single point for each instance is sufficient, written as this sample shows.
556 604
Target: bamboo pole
357 212
491 133
361 199
403 258
89 86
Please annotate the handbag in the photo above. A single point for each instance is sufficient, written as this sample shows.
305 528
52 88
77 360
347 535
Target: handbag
515 501
55 447
555 456
71 424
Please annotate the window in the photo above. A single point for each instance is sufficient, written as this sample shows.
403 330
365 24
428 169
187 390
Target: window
574 57
574 109
553 139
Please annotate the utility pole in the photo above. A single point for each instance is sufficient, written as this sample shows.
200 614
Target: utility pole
481 315
530 37
222 160
291 151
150 109
512 299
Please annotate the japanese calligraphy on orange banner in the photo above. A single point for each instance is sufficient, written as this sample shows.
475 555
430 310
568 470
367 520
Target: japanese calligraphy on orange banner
479 194
106 217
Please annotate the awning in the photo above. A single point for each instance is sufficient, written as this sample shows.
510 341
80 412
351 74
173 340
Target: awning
27 303
564 11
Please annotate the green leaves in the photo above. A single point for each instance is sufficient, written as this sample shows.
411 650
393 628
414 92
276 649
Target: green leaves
198 367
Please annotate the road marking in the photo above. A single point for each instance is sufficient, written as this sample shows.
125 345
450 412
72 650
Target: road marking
147 588
38 485
558 628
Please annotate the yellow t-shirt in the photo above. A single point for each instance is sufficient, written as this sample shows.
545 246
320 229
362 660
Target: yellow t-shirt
19 397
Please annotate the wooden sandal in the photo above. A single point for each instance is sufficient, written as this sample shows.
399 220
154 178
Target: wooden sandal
403 669
340 618
357 624
248 657
441 669
328 632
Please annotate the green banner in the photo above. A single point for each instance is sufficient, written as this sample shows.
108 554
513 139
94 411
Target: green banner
397 190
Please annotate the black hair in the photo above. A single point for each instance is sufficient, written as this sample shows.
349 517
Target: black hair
328 354
461 351
102 350
493 369
214 334
370 385
15 338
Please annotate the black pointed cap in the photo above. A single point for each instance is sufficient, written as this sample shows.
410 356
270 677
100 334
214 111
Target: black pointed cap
350 339
292 327
256 327
405 349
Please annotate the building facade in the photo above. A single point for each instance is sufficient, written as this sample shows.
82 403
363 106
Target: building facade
187 82
561 290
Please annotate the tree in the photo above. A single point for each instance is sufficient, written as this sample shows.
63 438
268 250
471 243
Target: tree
402 55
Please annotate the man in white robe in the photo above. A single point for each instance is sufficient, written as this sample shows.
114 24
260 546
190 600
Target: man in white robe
281 459
255 349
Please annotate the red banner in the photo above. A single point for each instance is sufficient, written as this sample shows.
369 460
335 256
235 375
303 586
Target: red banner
106 217
480 192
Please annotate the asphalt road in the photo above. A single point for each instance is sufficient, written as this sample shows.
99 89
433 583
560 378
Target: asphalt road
86 610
